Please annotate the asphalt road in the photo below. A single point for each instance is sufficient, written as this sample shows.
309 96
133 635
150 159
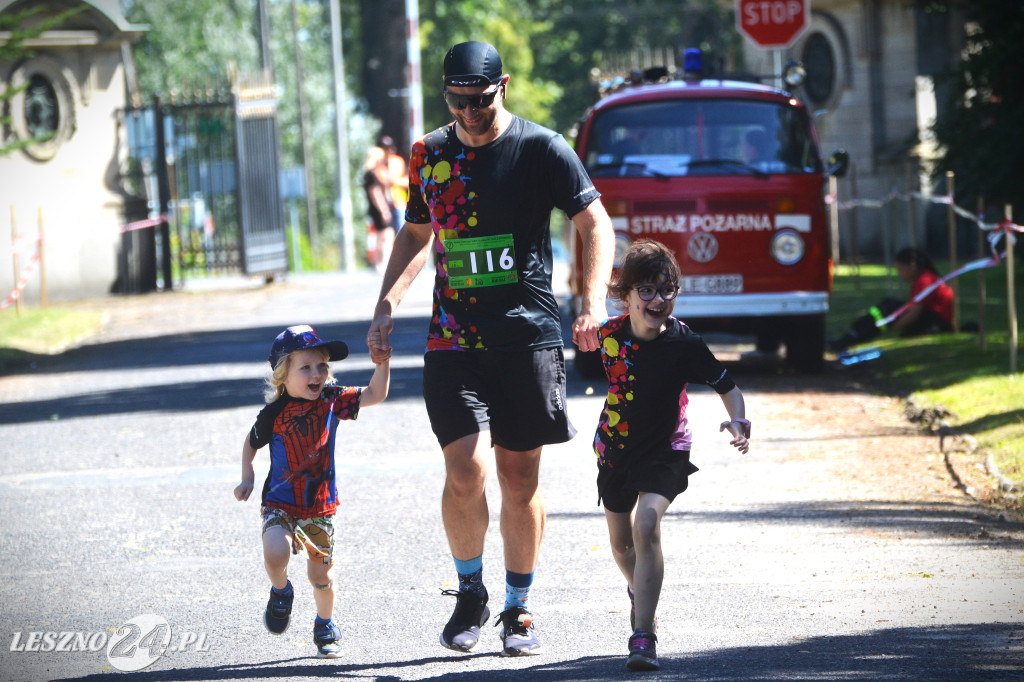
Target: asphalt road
116 506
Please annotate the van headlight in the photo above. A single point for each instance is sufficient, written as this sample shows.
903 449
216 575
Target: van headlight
787 247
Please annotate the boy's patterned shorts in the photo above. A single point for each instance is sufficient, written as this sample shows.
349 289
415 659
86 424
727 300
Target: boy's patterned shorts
315 535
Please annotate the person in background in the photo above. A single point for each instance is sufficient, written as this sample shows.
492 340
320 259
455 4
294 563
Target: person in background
381 210
757 146
397 180
931 315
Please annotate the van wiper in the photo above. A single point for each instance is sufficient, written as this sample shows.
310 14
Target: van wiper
627 168
729 163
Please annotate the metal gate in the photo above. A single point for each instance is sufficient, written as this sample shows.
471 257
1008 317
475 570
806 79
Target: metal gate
264 245
206 184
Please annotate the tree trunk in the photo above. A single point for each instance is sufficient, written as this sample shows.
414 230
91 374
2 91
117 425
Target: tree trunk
385 72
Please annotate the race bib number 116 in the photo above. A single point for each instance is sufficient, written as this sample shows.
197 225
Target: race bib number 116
480 261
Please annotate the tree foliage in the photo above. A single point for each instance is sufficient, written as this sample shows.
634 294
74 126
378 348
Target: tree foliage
191 45
980 128
550 46
588 34
510 26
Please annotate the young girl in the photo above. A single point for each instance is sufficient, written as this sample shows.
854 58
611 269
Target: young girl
300 495
642 441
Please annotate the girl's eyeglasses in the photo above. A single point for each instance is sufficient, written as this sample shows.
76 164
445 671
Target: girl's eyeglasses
481 101
667 291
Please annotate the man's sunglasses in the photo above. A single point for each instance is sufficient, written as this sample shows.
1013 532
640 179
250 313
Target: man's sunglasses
667 291
481 101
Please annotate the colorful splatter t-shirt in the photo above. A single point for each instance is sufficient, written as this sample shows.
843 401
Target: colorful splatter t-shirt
645 410
301 436
490 209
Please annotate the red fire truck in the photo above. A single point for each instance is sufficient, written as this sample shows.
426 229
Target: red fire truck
727 174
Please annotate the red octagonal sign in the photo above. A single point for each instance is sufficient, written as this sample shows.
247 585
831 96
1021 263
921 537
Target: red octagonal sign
772 23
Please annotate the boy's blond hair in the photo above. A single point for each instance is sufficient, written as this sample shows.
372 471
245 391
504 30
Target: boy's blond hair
275 382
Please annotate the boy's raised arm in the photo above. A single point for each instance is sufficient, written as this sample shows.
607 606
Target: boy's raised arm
380 382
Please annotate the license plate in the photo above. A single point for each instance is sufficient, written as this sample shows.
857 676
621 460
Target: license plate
711 284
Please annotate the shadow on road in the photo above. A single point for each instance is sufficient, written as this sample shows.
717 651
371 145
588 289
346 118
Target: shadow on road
956 652
912 521
251 344
192 396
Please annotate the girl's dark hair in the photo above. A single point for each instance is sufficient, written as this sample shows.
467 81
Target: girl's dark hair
645 261
910 256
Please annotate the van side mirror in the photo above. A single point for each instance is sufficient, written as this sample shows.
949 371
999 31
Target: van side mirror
838 162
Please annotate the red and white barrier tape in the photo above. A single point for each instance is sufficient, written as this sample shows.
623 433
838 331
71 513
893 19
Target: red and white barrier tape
25 242
947 200
142 224
22 242
20 286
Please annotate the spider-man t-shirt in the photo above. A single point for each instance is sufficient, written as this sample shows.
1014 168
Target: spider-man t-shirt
301 436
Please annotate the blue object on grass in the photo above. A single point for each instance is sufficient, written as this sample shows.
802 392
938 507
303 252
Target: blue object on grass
859 355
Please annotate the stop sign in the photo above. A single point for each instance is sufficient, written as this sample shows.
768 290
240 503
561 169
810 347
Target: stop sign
772 23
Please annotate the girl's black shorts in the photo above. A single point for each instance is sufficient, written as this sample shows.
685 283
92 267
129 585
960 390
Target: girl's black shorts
666 474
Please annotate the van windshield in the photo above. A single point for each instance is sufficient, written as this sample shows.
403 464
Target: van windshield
700 137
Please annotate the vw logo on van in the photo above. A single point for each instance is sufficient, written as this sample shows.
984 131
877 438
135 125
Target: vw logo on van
703 247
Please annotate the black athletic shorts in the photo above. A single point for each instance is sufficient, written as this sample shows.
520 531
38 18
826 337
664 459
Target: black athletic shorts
666 474
518 395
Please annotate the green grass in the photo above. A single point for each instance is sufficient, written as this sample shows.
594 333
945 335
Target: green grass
951 370
42 331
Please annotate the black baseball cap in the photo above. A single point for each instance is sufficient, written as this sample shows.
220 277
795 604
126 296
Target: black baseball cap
302 337
472 64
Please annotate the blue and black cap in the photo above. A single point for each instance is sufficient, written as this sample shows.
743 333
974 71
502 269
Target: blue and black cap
302 337
472 64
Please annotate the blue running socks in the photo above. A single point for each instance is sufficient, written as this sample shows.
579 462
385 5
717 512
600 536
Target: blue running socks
517 589
286 591
471 578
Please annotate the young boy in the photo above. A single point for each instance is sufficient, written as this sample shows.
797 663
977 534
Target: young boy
300 495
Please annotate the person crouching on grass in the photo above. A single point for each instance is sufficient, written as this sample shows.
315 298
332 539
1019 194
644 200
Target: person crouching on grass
300 495
643 441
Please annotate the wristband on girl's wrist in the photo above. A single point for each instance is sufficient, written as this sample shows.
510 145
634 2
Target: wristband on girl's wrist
745 423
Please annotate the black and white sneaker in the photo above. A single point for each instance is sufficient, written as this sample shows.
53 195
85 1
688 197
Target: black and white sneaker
462 633
517 634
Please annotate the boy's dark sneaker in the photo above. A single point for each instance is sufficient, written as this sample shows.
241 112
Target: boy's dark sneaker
326 638
462 633
279 610
517 635
643 653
